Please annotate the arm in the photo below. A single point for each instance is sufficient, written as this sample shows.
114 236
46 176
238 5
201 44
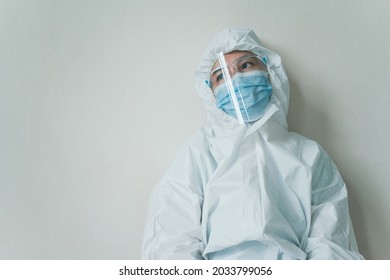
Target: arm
173 229
331 234
173 224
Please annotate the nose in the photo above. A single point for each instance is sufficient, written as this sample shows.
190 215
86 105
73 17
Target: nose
232 70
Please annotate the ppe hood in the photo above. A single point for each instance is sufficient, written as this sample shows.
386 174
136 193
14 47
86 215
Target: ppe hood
242 39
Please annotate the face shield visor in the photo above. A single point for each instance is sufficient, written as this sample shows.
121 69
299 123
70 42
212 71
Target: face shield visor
242 88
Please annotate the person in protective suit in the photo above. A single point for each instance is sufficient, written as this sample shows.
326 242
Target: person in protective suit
251 189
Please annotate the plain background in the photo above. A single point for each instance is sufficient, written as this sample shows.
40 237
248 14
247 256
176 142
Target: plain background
97 96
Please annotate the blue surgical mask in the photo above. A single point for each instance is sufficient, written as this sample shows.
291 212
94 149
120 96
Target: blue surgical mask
253 92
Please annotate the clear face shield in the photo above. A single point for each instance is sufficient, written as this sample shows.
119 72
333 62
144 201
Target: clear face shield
242 88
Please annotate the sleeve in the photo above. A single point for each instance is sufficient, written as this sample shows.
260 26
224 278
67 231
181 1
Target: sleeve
331 235
173 223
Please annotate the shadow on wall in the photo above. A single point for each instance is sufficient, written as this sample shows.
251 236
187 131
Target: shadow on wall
368 207
307 119
358 220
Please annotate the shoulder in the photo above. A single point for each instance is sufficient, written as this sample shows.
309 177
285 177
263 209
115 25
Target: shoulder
324 172
312 154
309 150
193 156
198 142
306 150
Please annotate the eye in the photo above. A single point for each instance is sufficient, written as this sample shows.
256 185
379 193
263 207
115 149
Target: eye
219 78
246 66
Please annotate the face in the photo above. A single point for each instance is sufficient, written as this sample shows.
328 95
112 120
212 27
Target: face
236 61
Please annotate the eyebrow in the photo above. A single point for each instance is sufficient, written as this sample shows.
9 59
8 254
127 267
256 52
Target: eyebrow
212 74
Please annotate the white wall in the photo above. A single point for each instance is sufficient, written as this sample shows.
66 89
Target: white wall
96 97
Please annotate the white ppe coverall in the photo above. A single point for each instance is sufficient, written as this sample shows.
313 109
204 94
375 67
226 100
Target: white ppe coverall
249 191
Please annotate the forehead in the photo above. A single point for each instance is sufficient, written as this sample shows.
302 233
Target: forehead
231 57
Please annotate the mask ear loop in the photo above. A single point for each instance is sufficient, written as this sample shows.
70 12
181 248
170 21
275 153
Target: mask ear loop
264 59
229 84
